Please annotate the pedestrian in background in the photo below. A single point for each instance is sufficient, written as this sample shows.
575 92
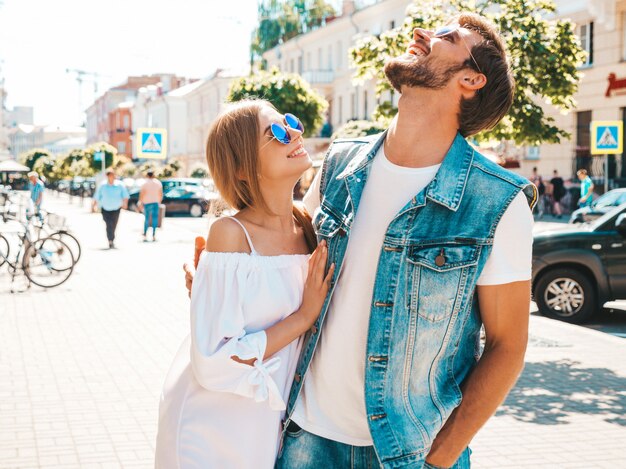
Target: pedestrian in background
36 188
586 188
558 191
537 180
150 197
111 197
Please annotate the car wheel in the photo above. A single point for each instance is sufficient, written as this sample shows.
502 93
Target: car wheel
195 210
565 294
132 206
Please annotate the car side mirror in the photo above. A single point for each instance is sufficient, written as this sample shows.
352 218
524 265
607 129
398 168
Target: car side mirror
620 223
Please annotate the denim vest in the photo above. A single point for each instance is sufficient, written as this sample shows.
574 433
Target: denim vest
424 327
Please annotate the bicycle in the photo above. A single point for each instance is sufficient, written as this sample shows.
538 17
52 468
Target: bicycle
53 225
46 262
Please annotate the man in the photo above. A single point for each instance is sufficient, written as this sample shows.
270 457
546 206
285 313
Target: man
111 197
37 188
150 196
430 241
558 191
586 188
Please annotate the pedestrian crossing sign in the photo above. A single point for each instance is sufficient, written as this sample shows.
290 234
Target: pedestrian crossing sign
607 137
151 143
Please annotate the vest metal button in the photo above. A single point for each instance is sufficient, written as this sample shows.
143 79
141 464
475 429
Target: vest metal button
341 232
314 330
440 260
297 377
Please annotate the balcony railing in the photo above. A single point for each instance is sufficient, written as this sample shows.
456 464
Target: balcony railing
319 77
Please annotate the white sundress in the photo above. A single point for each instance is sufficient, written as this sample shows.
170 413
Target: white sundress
216 412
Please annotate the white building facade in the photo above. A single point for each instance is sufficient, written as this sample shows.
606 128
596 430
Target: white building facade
601 26
186 113
321 57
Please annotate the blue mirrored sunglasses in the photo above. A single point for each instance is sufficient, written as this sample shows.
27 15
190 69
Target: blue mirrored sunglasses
447 30
280 132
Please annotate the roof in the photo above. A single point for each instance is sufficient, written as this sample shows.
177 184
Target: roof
183 90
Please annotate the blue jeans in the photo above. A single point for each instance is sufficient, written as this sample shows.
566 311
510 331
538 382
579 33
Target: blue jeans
304 450
151 214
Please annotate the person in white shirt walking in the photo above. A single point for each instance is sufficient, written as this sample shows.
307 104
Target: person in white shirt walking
111 197
150 197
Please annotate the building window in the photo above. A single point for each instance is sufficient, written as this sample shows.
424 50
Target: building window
126 122
330 58
624 36
622 171
365 114
532 153
392 24
320 61
583 140
353 114
339 54
585 31
309 65
340 110
121 147
291 66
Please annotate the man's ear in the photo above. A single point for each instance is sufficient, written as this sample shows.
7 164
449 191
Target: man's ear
472 82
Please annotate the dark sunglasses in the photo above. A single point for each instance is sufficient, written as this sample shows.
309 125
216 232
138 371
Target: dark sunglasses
452 29
281 133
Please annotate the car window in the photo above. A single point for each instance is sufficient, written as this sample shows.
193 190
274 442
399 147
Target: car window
175 192
622 199
609 199
607 221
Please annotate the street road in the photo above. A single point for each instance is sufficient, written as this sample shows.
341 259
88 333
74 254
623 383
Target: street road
82 365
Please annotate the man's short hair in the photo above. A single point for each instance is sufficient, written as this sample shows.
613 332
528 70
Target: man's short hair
491 103
582 172
109 171
33 174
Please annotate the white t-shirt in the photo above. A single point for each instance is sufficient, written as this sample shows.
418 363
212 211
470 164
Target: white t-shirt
332 402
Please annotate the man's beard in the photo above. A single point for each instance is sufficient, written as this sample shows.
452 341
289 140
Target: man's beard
419 73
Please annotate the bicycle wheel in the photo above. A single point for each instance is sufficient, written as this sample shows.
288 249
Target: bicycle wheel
4 250
48 262
71 241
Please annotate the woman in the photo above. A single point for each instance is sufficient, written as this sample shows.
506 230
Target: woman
255 292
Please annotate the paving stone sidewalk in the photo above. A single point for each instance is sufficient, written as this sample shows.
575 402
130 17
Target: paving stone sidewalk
81 366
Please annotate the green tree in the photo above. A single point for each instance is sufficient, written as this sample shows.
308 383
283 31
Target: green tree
29 158
281 20
110 156
287 92
359 128
200 171
545 54
44 165
169 170
126 169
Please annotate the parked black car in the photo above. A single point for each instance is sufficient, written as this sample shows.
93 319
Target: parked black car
194 201
578 268
604 203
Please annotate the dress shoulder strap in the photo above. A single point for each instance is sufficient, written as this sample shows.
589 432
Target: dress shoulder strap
252 250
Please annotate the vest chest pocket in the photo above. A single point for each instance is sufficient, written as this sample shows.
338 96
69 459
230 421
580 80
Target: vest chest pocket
330 229
437 275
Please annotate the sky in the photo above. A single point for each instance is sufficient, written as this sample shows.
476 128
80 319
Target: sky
40 39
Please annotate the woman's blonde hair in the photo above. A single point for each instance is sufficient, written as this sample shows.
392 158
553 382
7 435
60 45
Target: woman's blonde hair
232 153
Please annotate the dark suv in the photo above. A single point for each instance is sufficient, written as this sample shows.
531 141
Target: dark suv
578 268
